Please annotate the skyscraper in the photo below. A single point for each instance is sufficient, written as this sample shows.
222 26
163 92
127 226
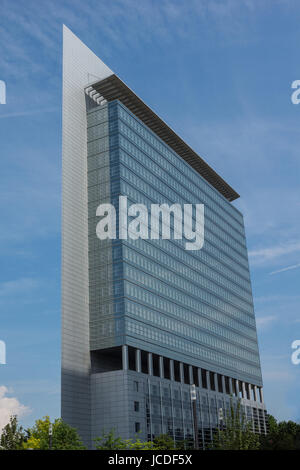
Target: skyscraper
144 319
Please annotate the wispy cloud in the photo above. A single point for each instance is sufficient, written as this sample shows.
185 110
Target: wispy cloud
239 149
266 254
128 23
277 298
288 268
18 287
282 310
264 322
29 112
279 375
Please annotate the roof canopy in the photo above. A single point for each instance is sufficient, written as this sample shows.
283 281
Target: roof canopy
113 88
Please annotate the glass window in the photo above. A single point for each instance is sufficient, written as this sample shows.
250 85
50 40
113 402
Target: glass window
137 427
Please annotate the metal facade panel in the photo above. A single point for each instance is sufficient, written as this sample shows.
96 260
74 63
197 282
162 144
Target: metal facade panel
79 66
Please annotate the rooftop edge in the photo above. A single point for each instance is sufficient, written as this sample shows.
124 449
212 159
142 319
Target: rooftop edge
112 88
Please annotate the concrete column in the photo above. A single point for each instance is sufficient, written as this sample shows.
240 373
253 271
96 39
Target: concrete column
208 380
249 391
252 418
237 387
230 386
125 357
181 372
150 364
138 365
255 392
191 375
161 367
261 394
216 382
200 378
172 375
244 390
223 384
258 421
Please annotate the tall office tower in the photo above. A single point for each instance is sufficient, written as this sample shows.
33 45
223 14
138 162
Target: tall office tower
144 319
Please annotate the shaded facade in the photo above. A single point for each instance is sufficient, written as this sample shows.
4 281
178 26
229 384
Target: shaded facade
143 320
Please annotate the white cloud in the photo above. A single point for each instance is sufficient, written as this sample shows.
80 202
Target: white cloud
275 251
280 309
18 286
263 322
288 268
127 23
28 113
10 406
278 299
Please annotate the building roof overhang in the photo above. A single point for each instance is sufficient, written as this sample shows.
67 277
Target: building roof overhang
113 88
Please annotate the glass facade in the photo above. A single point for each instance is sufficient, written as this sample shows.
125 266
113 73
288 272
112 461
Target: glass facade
169 411
192 306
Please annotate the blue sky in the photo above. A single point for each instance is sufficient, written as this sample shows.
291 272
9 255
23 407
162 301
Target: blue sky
220 74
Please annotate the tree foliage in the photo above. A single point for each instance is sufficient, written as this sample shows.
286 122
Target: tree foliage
237 433
64 437
163 442
109 441
284 435
12 436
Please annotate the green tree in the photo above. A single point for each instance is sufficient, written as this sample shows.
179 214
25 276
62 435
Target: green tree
12 436
284 435
109 441
163 442
237 433
64 437
185 444
139 445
